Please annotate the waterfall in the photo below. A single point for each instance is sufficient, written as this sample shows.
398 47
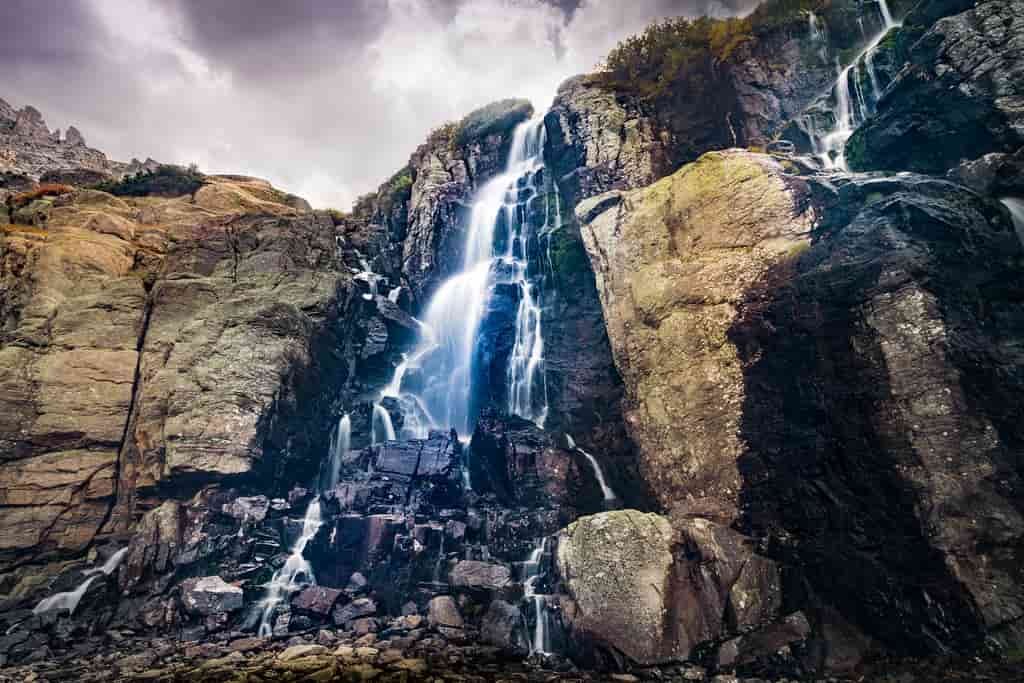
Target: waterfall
815 29
442 362
69 600
295 573
380 424
371 279
540 642
1016 209
883 6
108 567
606 491
340 444
850 106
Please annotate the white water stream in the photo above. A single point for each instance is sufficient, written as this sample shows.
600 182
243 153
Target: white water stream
294 574
606 490
69 600
540 641
850 106
1016 208
443 360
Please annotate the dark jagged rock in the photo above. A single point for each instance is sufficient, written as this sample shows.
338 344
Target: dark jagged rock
956 98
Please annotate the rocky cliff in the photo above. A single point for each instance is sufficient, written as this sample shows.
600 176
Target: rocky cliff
793 372
156 344
784 432
30 151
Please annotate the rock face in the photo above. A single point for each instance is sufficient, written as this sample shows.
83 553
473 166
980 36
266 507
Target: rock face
670 288
958 97
29 149
785 356
148 343
423 209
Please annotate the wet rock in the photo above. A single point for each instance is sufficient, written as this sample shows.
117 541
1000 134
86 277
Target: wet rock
955 98
316 600
484 576
995 174
503 626
361 607
210 595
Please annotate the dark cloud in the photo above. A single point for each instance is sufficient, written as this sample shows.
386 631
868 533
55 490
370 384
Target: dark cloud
263 38
45 33
324 98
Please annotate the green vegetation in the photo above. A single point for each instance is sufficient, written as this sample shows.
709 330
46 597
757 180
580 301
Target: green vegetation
395 190
497 117
678 53
164 181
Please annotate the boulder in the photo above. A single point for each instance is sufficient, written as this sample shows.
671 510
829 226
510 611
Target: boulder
210 595
358 608
617 566
443 614
503 626
482 576
316 600
248 508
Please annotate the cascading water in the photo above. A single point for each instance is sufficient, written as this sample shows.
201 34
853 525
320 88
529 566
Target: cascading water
540 640
339 447
69 600
606 491
381 427
850 106
295 573
441 395
1016 208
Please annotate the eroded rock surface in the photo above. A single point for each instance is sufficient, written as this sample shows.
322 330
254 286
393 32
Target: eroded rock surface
783 357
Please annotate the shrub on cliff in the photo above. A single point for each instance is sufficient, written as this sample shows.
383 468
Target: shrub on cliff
164 181
677 53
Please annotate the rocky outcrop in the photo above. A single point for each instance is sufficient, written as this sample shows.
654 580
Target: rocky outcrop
787 345
957 98
28 148
670 288
424 208
654 591
150 344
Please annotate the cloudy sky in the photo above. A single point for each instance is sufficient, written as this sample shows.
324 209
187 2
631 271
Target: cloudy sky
325 98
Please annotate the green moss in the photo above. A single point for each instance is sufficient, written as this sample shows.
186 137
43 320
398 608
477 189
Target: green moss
569 261
855 151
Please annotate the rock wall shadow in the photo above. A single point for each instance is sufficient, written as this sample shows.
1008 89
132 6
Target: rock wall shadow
824 481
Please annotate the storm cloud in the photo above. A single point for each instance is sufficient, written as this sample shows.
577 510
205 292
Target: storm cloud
324 98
